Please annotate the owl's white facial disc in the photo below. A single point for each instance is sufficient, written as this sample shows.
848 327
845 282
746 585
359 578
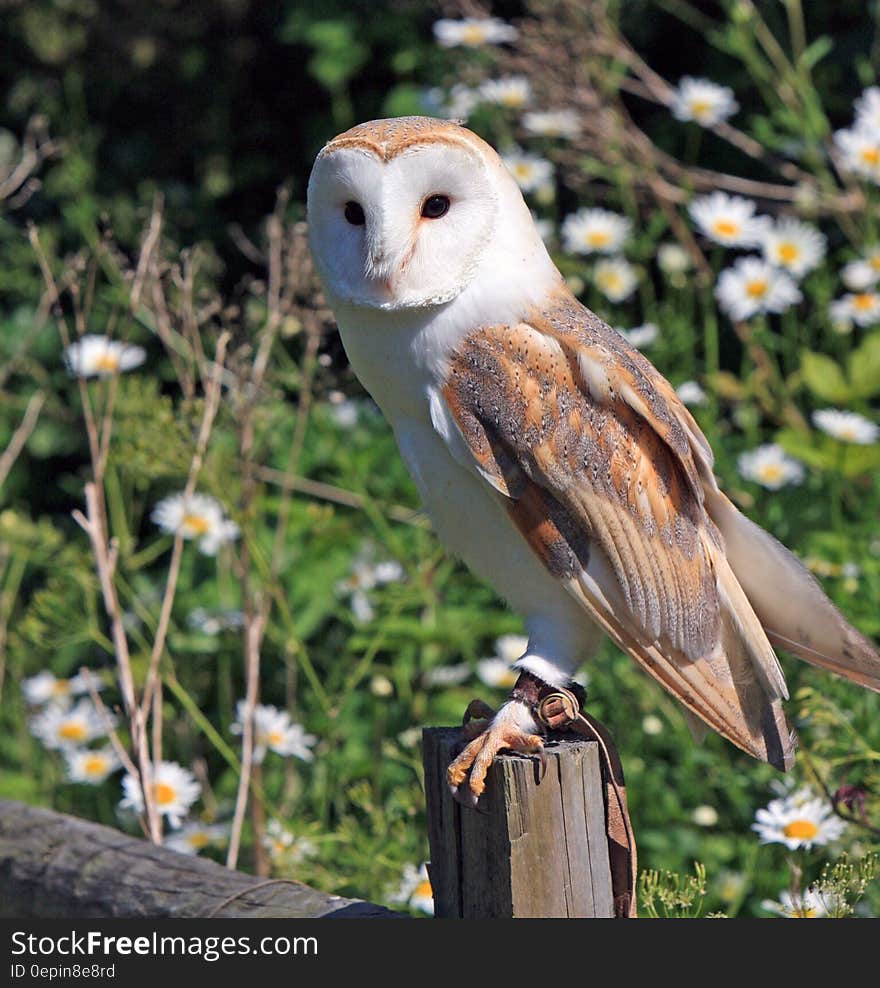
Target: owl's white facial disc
373 232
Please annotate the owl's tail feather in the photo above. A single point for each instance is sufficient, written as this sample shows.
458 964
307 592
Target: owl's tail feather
795 612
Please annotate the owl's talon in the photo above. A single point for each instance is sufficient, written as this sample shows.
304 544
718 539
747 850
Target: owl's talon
502 734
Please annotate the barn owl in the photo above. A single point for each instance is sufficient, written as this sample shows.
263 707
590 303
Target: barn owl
551 456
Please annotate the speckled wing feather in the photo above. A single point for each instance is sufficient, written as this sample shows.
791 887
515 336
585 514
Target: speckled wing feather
602 471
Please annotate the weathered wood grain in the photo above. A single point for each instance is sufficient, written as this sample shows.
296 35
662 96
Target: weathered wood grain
530 849
53 865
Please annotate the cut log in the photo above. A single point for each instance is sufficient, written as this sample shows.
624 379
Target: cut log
58 866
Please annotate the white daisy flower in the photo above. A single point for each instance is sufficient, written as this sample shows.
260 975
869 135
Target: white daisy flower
798 821
415 889
97 356
530 171
595 230
848 427
224 533
640 336
513 91
691 393
364 577
473 32
652 725
509 648
213 622
703 101
859 275
867 108
673 259
192 838
45 688
281 843
770 466
808 904
274 731
446 675
422 897
457 104
705 816
60 726
410 737
860 150
616 278
552 123
862 308
174 788
345 412
752 286
91 765
794 246
496 672
728 220
201 517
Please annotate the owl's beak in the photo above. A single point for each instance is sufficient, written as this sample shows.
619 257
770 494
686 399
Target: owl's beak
382 271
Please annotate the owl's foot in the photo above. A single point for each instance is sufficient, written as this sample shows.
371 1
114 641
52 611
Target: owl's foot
511 729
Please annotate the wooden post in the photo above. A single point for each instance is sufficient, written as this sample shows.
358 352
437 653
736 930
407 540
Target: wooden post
528 849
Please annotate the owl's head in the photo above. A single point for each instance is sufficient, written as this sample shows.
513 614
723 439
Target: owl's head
402 212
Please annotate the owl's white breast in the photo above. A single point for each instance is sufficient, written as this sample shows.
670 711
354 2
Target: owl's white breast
402 359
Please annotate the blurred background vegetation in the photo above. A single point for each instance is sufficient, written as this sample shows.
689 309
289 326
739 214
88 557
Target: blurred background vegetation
210 108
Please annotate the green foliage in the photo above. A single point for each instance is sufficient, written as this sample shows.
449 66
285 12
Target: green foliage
667 895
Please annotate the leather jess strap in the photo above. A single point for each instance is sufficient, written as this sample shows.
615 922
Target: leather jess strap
560 709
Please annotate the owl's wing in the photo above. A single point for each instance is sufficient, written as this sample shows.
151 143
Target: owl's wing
603 471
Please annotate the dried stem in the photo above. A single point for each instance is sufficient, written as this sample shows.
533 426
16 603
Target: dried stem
21 434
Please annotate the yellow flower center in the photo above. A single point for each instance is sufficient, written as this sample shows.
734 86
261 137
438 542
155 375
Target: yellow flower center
611 281
507 679
522 170
726 228
423 890
874 261
512 99
196 524
274 737
803 912
107 362
870 156
801 829
473 34
598 238
61 687
72 730
198 840
771 472
756 288
864 301
95 765
788 253
700 107
163 793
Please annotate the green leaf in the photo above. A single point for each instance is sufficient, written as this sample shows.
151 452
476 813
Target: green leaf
824 378
816 51
826 453
864 368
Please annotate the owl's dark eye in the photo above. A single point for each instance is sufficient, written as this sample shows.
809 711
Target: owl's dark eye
354 213
435 206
